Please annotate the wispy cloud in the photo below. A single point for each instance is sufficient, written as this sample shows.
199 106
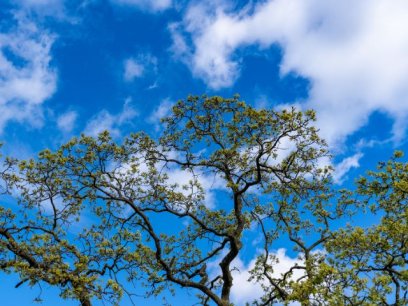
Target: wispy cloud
161 111
147 5
114 123
43 7
136 67
133 69
58 10
66 122
356 60
342 168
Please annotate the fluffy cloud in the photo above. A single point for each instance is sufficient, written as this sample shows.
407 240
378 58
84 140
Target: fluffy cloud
354 53
244 291
133 69
104 120
137 67
342 168
26 76
161 111
66 122
156 5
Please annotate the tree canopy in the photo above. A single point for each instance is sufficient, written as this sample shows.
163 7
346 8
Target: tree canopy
99 218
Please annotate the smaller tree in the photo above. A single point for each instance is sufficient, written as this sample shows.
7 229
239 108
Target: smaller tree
372 262
44 236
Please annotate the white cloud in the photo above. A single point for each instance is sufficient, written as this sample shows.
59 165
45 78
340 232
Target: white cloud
139 66
149 5
104 120
244 291
46 8
66 122
133 69
356 59
177 178
342 168
179 45
210 183
161 111
40 2
42 5
26 76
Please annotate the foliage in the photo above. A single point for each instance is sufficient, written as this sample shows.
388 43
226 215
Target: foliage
373 261
94 215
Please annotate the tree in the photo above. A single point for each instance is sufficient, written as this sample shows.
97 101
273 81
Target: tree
39 242
266 165
373 261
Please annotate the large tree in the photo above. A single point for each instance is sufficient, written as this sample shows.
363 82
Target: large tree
100 215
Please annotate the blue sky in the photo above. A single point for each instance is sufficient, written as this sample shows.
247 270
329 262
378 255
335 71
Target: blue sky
68 67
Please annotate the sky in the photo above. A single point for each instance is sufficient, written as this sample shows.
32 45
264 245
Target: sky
72 67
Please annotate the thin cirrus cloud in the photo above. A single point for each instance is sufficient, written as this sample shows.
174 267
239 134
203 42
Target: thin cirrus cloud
53 8
148 5
137 67
27 78
354 53
66 122
114 123
161 111
342 168
133 69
